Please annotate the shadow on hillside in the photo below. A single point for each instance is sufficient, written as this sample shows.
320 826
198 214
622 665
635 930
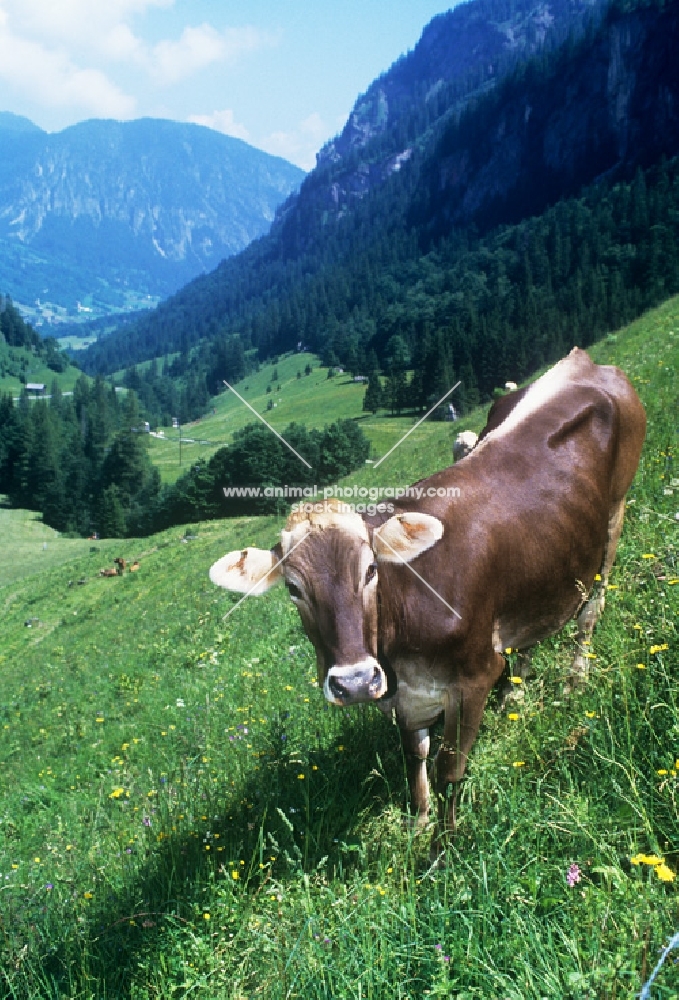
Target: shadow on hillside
321 816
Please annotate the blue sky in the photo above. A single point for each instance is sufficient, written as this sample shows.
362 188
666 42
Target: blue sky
281 75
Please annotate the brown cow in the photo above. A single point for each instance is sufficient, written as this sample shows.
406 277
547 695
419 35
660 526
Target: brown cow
413 611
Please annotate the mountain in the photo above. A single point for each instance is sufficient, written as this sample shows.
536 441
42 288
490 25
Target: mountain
109 215
521 214
462 54
610 106
17 123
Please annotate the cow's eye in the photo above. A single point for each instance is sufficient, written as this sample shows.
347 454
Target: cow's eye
370 573
294 591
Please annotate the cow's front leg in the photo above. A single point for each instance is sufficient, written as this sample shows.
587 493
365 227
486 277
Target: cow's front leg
464 711
415 744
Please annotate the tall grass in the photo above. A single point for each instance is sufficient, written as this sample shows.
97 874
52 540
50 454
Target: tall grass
182 814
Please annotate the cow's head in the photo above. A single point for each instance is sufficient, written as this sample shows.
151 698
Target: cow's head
329 558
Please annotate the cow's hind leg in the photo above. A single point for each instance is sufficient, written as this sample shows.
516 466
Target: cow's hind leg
415 744
593 607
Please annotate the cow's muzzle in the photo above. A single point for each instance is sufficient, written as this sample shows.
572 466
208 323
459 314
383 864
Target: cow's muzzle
362 681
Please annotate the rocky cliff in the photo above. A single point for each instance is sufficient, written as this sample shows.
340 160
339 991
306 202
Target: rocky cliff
461 54
605 107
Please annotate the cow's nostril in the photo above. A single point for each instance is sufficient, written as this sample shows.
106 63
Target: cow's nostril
336 689
375 681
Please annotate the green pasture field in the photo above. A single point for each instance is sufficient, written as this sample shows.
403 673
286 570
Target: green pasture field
313 400
75 343
39 372
183 815
29 547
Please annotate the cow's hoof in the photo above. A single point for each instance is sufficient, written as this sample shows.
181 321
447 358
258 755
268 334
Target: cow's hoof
438 849
511 693
578 676
416 822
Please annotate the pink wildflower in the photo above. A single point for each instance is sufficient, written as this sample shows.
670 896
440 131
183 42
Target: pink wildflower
573 875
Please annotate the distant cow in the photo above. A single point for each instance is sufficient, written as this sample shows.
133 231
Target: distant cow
413 611
464 442
120 565
511 386
108 572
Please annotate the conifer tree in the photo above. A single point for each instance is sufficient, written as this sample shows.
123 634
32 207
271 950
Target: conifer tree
372 400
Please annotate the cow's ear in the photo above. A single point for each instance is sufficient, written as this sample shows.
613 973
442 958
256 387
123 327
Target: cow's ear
248 571
405 536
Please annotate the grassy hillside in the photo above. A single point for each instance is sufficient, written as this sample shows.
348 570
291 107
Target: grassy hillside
313 400
37 371
182 814
30 547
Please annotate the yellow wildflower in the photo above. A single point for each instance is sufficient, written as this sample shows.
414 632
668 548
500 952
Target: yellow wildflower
664 873
646 859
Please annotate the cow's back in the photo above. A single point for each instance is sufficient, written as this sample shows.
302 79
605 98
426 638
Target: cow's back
529 525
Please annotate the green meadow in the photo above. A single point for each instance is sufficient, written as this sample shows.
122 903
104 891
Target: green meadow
314 400
28 547
183 815
39 372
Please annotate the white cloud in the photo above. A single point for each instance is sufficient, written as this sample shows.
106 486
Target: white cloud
75 25
66 51
53 80
171 61
223 121
301 144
